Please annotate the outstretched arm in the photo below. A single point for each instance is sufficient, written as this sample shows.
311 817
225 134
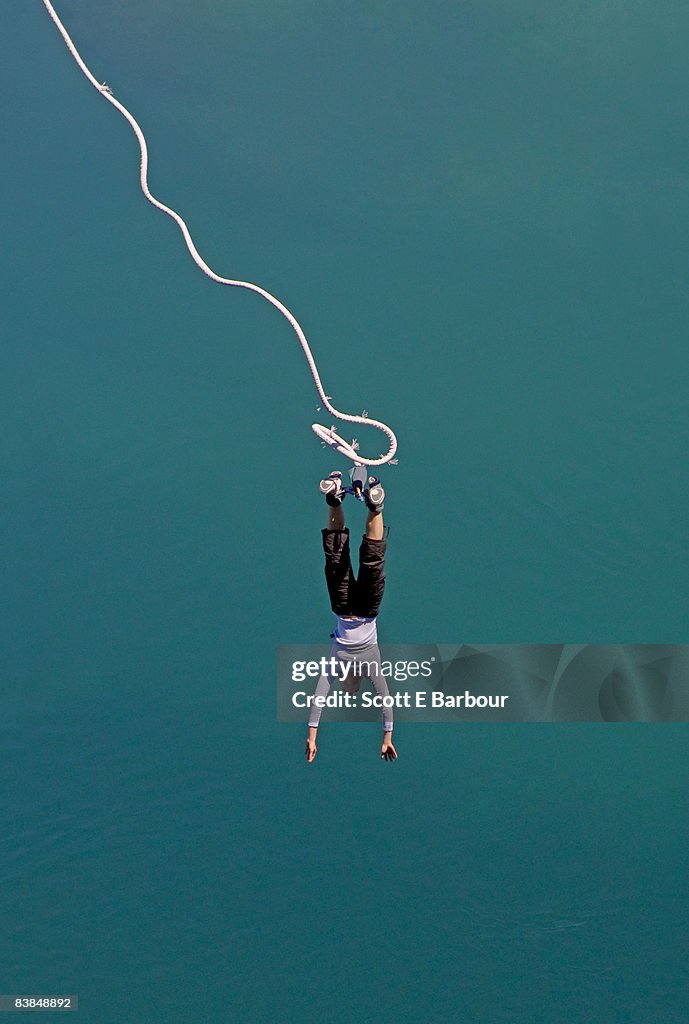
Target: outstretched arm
322 690
387 750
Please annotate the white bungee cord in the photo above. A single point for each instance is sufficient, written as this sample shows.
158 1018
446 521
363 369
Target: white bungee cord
328 435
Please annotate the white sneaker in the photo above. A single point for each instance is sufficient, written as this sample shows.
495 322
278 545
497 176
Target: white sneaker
374 495
332 488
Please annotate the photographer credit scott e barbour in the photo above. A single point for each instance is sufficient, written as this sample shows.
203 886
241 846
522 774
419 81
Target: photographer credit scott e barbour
416 699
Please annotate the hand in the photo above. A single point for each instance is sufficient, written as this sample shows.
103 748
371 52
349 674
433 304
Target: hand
387 751
311 749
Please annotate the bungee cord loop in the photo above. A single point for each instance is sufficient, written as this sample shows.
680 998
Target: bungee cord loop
328 435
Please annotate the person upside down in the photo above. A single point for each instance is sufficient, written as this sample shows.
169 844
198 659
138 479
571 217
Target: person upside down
355 601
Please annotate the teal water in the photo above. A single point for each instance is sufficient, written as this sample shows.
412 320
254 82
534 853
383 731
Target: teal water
479 215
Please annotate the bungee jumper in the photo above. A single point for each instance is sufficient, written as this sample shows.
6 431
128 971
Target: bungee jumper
355 600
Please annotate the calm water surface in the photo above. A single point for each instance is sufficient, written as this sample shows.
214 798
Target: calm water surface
479 215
